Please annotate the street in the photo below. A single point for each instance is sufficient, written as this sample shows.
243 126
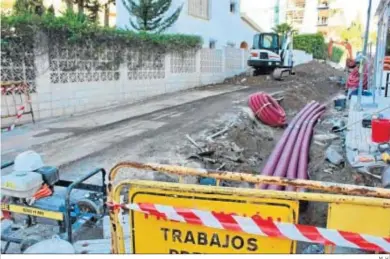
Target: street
147 137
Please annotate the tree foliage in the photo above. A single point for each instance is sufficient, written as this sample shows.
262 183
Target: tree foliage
75 28
353 34
149 15
29 6
93 7
337 54
311 43
283 28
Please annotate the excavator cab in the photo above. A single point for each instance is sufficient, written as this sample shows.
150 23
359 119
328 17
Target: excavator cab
264 55
271 52
267 41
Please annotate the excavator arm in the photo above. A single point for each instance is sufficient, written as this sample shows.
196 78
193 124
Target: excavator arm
350 63
286 54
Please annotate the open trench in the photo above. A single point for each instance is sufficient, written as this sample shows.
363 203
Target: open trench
246 145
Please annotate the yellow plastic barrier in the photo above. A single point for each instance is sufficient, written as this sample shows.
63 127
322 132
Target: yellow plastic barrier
152 231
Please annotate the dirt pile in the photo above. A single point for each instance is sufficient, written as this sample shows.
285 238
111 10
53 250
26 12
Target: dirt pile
243 147
246 143
311 82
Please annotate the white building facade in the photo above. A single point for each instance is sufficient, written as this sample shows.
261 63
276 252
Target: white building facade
218 22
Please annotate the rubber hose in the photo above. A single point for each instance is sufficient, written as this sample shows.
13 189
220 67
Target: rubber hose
267 109
277 151
299 152
304 158
285 158
353 78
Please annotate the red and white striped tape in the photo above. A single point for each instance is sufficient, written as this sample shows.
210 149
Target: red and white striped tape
19 115
20 111
256 225
14 88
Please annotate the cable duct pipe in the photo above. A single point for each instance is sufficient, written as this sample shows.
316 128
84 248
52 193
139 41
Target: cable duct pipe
285 159
299 160
304 157
267 109
277 151
293 165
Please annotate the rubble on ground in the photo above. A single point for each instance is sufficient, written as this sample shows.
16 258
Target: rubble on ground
243 146
246 145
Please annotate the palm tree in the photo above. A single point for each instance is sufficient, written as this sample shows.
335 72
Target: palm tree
29 6
80 6
283 28
69 5
93 8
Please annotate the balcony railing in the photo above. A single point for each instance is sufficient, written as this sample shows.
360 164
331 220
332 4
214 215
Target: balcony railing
322 23
323 6
295 4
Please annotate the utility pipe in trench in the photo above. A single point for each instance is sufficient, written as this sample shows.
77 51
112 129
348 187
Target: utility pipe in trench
277 151
297 167
286 157
304 157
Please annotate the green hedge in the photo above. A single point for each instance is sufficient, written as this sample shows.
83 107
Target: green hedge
77 28
337 54
311 43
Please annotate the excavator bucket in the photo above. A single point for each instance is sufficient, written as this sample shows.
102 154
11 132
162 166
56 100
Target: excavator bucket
277 74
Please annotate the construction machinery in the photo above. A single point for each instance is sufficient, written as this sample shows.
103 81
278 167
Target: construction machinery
32 195
272 52
350 62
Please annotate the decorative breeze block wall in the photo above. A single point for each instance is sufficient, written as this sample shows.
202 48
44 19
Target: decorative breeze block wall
71 79
211 61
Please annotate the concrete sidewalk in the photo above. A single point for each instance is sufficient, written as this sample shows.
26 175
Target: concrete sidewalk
44 132
358 139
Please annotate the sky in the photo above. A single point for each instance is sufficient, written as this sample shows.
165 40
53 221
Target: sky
350 7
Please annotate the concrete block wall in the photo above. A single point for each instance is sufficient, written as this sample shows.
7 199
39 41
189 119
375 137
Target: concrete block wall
301 57
176 72
63 93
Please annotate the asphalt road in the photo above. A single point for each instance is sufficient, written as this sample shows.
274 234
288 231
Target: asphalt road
151 137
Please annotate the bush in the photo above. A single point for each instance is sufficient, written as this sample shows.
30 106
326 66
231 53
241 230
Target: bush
311 43
337 54
76 28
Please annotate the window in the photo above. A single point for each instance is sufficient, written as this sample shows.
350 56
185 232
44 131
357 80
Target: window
267 43
256 41
212 44
233 6
199 8
230 44
323 20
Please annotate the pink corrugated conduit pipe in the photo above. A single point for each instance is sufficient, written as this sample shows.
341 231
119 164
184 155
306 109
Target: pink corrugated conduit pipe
286 159
273 159
304 157
297 167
